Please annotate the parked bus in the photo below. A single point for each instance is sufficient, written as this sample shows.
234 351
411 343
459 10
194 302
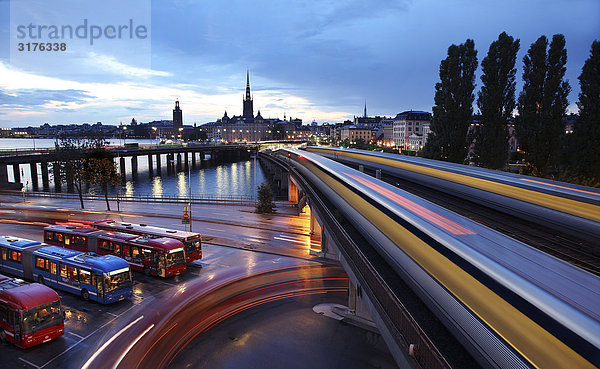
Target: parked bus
30 314
105 279
191 240
163 257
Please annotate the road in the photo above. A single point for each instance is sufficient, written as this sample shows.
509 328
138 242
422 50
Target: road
254 265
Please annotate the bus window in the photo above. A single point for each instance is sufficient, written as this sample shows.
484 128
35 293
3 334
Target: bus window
117 249
63 271
135 252
85 276
48 236
105 245
53 268
146 254
58 237
126 251
41 263
3 254
67 240
73 273
15 255
79 241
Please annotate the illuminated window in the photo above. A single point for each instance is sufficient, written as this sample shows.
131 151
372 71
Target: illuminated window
63 271
53 268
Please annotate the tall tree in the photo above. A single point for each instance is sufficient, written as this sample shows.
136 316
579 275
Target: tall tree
587 127
496 101
71 154
543 103
102 170
453 108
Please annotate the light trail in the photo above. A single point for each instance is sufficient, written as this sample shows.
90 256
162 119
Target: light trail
132 344
87 363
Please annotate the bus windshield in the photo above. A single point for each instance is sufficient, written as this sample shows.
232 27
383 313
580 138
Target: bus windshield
117 281
193 244
41 317
175 258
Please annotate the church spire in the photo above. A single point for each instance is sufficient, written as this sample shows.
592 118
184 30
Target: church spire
248 97
248 111
365 115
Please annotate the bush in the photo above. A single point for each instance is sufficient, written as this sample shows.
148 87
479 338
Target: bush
265 199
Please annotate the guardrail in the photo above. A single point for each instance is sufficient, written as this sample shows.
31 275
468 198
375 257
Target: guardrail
204 199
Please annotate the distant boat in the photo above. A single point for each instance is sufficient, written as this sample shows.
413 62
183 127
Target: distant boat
165 142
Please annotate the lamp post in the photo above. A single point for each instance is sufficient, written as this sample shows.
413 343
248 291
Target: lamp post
190 190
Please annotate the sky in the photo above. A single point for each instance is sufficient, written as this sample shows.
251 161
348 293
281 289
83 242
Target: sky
316 60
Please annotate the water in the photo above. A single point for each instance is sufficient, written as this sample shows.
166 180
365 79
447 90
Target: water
228 180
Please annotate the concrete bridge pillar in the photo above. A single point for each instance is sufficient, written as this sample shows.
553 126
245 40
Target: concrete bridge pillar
186 159
56 177
134 165
150 165
45 181
122 168
170 162
316 247
178 161
70 178
292 191
34 175
193 159
17 173
3 174
158 163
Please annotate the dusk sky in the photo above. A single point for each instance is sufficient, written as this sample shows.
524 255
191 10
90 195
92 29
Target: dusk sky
316 60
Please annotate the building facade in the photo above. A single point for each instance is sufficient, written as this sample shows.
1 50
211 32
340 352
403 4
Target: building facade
410 123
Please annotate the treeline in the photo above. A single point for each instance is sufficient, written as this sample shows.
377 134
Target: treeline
540 108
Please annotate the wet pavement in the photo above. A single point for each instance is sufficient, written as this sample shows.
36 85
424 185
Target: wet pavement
247 304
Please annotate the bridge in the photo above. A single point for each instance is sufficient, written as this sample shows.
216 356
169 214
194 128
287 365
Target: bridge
444 290
172 155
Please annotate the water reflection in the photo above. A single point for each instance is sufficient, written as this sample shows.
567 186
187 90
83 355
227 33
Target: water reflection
157 188
182 185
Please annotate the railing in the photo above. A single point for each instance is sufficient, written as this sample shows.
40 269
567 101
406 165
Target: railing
198 199
405 330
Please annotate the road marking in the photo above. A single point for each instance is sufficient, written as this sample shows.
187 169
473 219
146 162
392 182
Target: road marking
170 284
78 342
130 346
285 239
89 361
76 335
27 362
109 313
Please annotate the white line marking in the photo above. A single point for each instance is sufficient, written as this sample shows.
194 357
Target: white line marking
283 239
131 345
76 335
170 284
109 313
87 363
78 342
27 362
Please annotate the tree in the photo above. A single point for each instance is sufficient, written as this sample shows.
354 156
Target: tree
543 103
453 104
102 170
71 159
265 199
496 101
587 128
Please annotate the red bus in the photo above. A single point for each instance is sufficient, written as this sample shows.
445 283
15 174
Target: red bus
30 314
163 257
191 240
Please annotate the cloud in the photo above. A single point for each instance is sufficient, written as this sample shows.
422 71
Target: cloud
26 98
110 64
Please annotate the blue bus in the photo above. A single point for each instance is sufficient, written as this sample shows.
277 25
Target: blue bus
105 279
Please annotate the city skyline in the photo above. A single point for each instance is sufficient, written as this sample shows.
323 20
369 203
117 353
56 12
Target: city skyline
314 61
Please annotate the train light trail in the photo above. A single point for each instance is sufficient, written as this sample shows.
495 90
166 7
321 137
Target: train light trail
435 218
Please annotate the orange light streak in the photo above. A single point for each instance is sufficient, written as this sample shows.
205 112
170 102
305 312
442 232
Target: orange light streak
559 186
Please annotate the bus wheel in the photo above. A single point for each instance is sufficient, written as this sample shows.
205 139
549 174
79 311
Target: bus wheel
85 294
40 279
147 271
